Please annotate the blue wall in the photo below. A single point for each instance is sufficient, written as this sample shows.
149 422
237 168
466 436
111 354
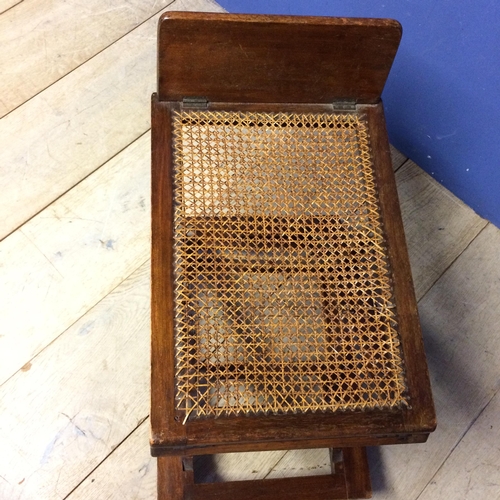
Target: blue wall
442 98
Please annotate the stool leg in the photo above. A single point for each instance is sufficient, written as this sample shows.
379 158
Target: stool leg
175 477
357 473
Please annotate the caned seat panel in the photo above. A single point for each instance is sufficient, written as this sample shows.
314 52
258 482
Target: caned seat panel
283 297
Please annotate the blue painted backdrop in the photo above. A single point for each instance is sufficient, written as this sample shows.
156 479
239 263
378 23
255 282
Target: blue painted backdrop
442 98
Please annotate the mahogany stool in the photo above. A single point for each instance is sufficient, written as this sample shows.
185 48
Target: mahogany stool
283 310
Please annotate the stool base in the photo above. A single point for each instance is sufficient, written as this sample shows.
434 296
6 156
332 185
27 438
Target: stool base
349 479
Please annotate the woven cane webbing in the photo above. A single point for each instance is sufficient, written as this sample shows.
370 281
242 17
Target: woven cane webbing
283 301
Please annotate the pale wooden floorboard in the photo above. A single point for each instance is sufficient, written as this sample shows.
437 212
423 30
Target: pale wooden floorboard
438 226
473 469
81 397
43 41
72 254
129 473
8 4
73 127
296 463
236 466
72 413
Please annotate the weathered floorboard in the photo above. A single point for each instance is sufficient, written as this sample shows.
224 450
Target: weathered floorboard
397 158
128 473
8 4
473 469
41 41
72 254
79 398
438 226
72 128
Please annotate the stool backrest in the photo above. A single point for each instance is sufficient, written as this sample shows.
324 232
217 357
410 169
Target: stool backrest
230 58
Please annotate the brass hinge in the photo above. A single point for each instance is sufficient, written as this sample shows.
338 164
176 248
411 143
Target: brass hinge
195 102
344 105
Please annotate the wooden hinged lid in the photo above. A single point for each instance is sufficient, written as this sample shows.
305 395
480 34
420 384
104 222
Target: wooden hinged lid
233 58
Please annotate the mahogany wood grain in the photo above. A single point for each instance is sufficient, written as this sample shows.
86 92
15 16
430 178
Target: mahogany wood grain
162 326
292 444
173 482
290 488
421 412
357 473
227 57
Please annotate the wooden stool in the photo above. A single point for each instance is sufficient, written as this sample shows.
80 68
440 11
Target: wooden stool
283 311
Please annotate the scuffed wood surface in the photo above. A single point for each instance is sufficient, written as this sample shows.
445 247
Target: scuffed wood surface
236 466
302 463
72 254
71 405
128 473
317 66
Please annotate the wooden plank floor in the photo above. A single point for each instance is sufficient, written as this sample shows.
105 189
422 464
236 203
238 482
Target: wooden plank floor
76 79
